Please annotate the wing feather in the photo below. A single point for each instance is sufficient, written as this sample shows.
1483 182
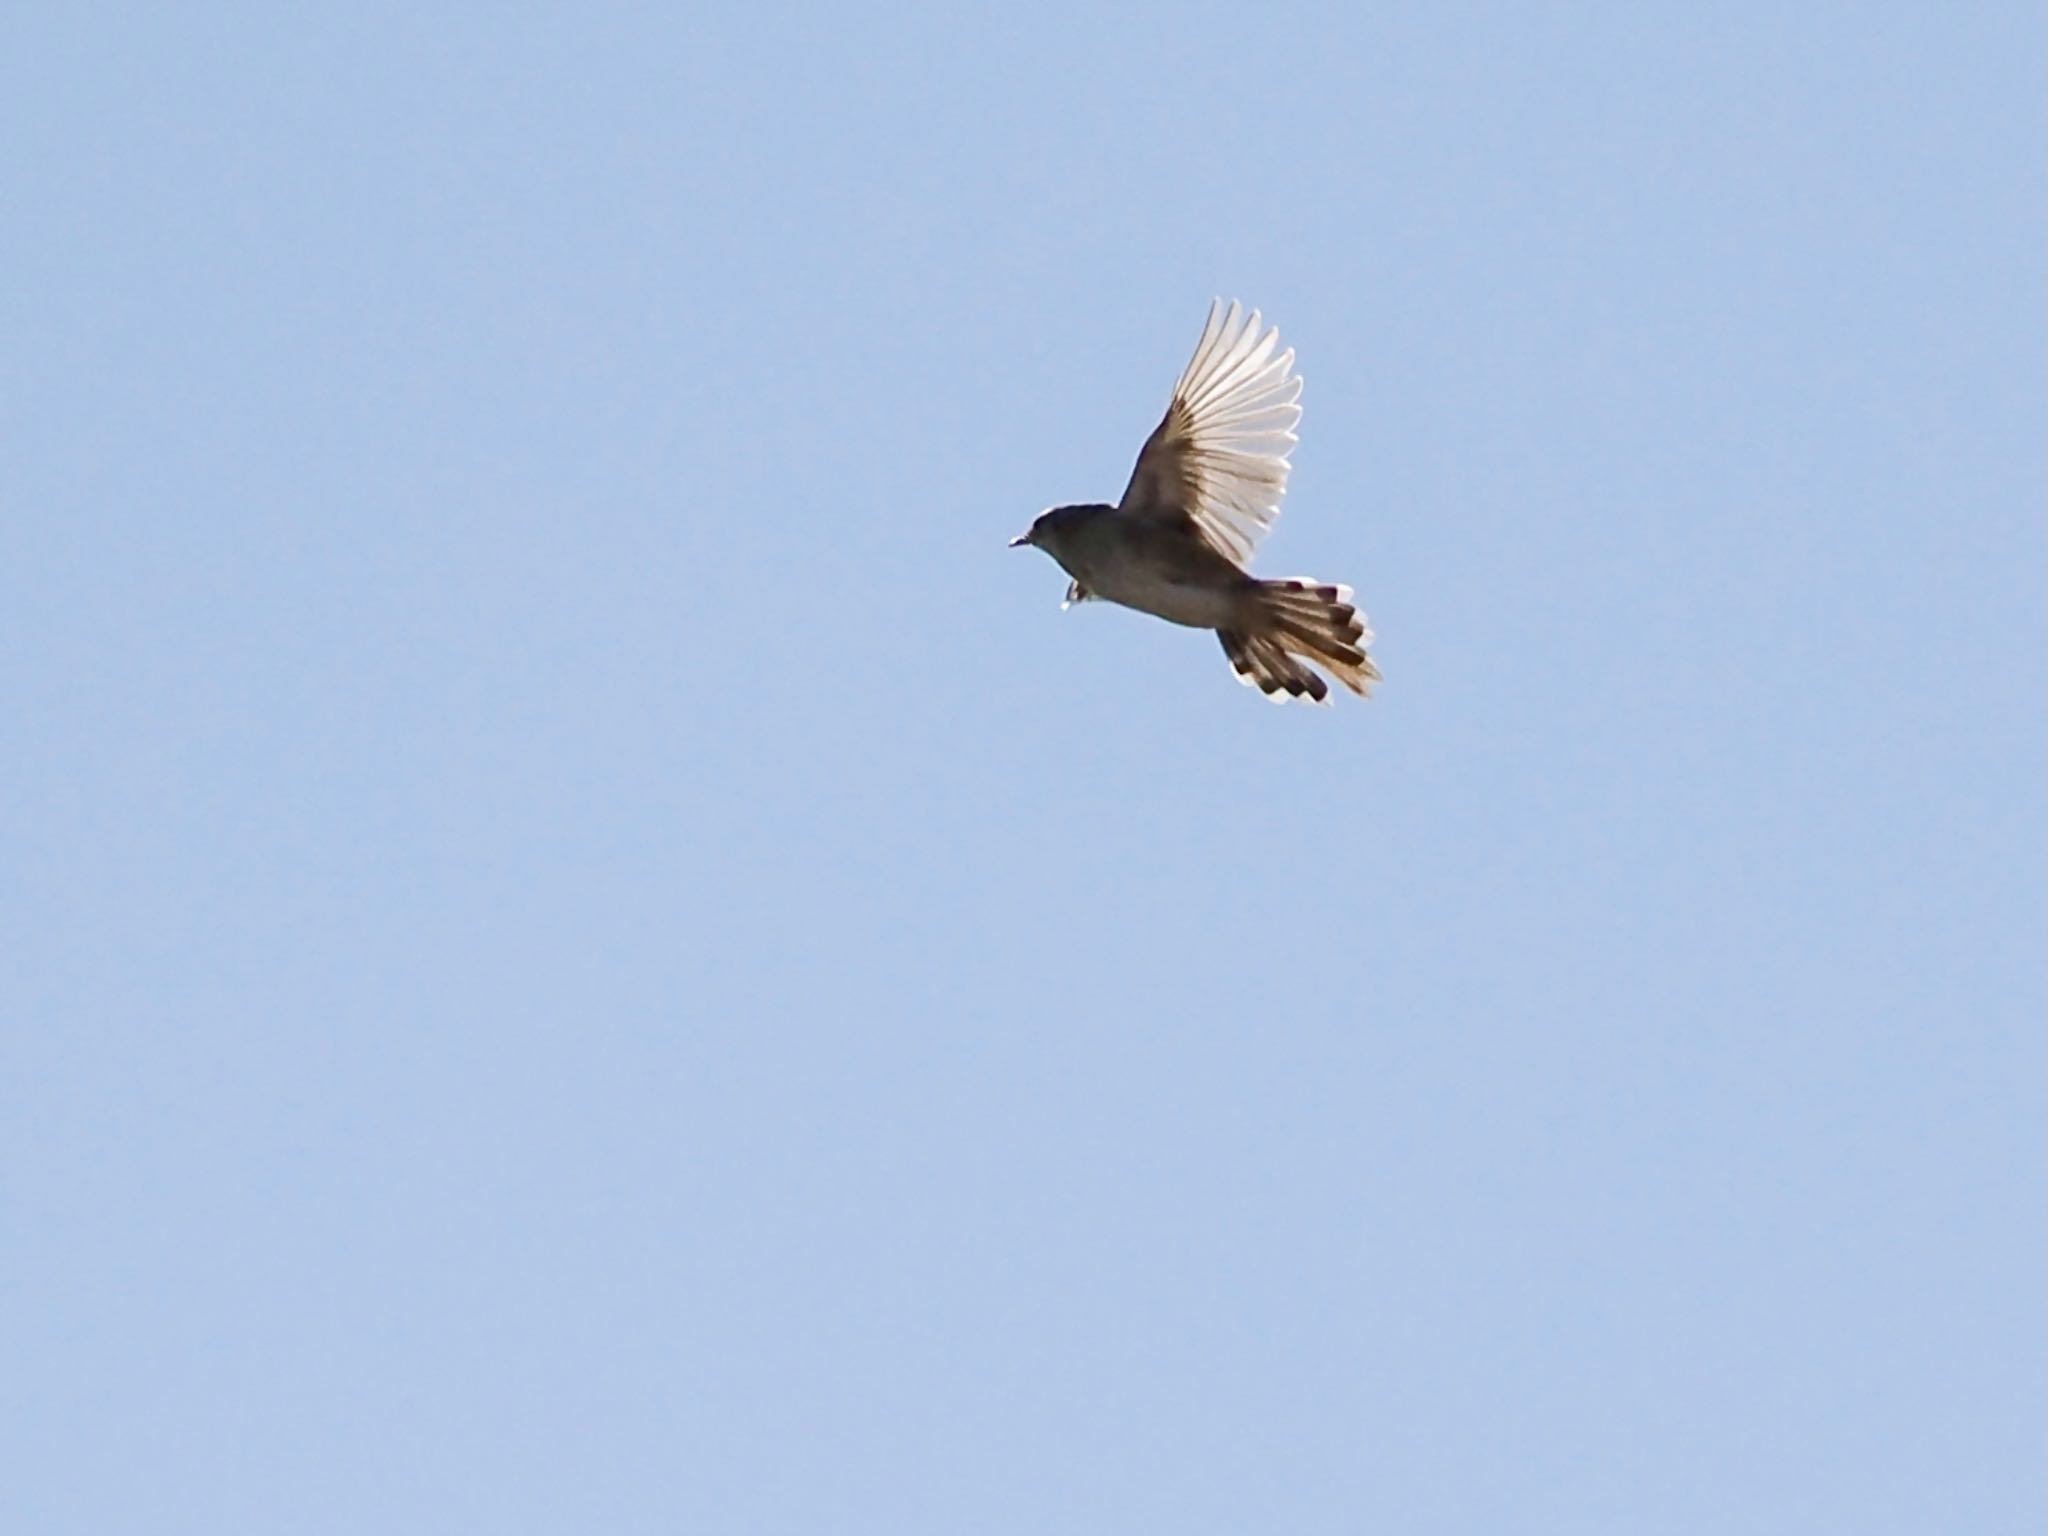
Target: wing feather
1219 458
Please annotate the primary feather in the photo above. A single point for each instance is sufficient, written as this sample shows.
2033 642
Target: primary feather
1219 457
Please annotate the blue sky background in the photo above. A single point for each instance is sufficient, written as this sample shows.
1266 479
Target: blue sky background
581 948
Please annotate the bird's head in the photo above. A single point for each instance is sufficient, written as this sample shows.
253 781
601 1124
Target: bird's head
1048 531
1032 534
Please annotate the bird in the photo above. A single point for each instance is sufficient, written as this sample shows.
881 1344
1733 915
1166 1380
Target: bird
1206 488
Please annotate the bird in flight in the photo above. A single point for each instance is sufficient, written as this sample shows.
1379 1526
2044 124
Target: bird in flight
1207 487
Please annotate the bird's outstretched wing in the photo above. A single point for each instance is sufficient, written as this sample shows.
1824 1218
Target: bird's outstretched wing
1219 459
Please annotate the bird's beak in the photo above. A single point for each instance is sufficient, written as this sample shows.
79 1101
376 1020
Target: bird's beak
1022 538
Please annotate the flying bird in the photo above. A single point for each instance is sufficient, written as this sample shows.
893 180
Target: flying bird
1207 487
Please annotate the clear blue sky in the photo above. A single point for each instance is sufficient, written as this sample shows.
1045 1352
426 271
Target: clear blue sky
586 950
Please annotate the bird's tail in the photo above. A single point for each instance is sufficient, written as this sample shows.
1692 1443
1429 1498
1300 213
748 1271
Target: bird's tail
1285 624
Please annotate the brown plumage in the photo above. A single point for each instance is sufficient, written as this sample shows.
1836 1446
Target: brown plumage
1207 486
1301 619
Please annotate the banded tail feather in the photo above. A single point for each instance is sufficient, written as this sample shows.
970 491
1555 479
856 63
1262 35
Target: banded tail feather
1289 627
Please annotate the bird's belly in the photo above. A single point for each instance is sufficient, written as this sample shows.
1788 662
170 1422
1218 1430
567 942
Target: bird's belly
1199 607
